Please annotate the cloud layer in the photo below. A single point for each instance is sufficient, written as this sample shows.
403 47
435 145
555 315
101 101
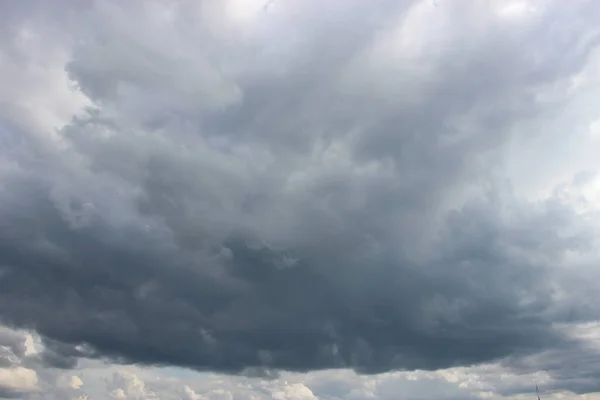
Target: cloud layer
298 185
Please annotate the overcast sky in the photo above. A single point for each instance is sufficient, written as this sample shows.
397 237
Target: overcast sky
299 199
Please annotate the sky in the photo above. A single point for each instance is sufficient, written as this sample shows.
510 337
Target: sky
299 199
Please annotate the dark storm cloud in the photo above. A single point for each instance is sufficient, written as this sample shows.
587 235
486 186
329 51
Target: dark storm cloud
333 214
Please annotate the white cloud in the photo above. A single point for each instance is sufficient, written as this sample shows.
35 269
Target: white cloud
294 391
18 379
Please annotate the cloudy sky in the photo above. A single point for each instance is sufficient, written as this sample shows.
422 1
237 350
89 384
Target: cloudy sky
299 199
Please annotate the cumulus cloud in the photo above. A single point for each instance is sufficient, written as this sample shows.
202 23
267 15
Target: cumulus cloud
17 378
298 185
14 381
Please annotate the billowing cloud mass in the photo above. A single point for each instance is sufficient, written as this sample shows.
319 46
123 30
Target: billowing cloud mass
263 187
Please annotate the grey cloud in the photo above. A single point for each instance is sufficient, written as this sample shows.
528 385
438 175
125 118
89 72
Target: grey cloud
12 347
10 394
575 369
299 220
100 293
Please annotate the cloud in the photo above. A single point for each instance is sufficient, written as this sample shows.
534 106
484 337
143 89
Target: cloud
14 381
300 187
97 379
16 377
